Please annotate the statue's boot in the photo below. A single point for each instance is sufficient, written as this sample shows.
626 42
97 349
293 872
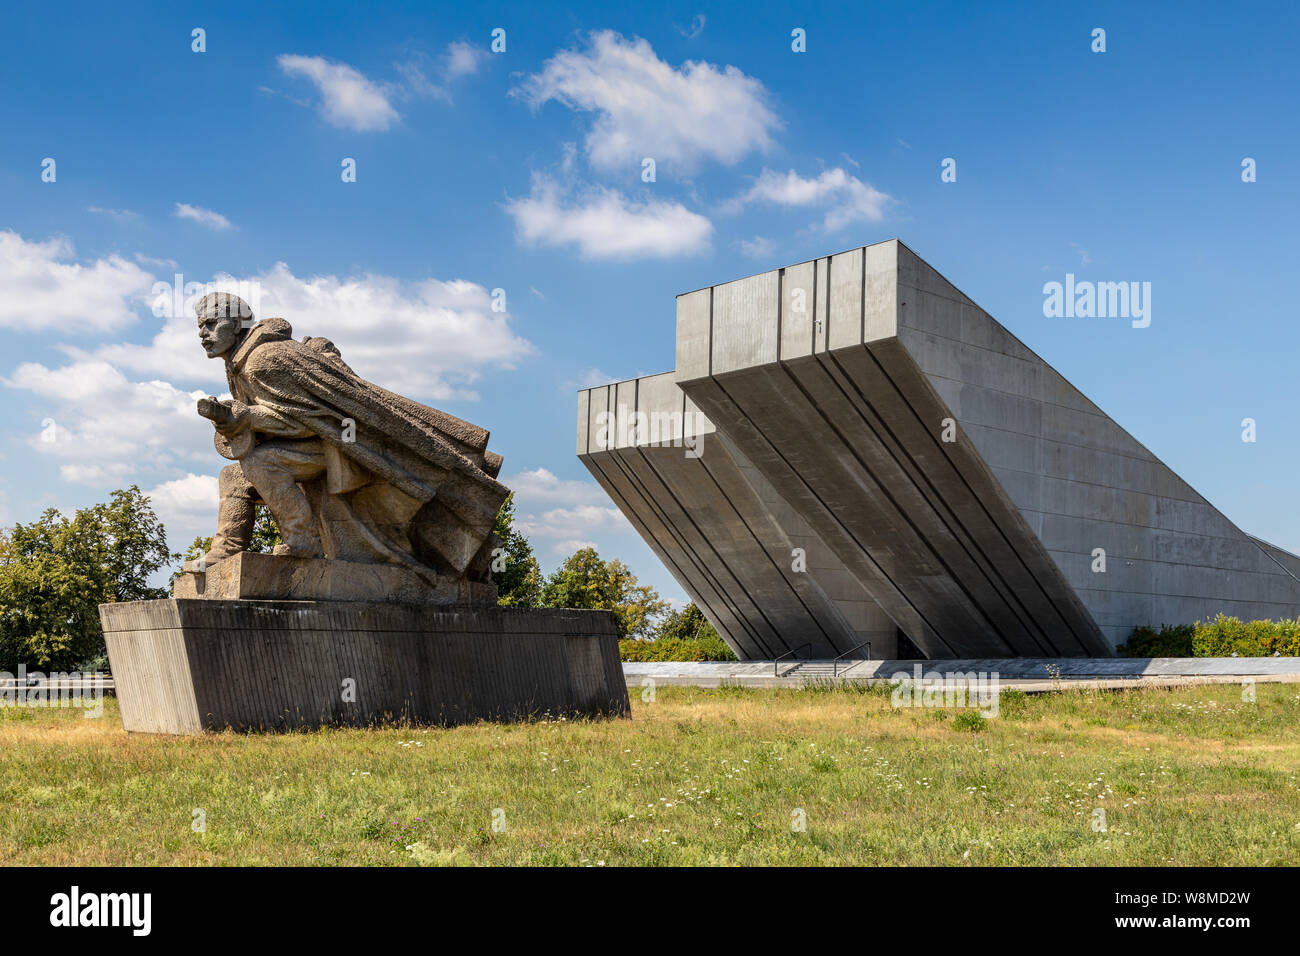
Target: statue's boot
235 519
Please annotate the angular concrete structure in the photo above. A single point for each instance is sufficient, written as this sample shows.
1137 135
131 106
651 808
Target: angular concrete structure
850 449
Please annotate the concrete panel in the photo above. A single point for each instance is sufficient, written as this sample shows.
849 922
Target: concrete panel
880 301
694 332
745 322
798 298
845 299
584 418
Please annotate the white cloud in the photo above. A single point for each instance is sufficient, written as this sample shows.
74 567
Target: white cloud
462 59
43 292
587 378
644 107
187 507
542 486
848 199
204 217
569 546
155 262
459 60
757 248
428 339
605 224
559 524
552 511
121 215
101 426
695 29
349 100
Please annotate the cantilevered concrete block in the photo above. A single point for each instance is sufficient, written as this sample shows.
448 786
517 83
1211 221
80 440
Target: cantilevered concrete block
940 473
745 556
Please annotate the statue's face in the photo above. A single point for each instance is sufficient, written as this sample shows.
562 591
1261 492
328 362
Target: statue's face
219 334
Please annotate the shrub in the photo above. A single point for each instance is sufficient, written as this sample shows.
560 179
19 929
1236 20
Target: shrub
1221 637
707 647
684 635
1173 641
1012 702
969 720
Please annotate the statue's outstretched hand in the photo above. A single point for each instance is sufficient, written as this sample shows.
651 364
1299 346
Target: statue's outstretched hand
215 410
228 417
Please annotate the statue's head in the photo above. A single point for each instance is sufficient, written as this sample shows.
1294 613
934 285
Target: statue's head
223 317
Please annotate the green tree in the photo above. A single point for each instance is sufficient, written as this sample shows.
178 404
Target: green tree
585 581
266 533
519 580
57 570
688 624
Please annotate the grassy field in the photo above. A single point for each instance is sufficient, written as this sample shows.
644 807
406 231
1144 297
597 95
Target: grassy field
1190 776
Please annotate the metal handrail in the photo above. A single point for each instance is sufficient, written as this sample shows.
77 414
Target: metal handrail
776 660
835 670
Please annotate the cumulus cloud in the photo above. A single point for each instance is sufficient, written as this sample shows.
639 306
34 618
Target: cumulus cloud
43 291
430 339
645 107
542 486
551 511
204 217
349 100
187 507
101 426
846 198
604 224
560 524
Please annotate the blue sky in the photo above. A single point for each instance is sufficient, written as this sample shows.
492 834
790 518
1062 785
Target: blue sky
521 170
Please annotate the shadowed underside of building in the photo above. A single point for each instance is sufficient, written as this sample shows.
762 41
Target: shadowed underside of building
851 450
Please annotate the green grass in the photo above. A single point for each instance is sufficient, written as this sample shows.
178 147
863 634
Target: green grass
1193 776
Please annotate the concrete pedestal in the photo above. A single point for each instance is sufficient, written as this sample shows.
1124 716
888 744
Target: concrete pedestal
266 577
182 666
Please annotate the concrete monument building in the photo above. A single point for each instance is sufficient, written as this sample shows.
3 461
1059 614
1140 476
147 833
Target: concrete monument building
851 450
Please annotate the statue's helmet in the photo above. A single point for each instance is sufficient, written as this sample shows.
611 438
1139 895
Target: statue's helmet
221 305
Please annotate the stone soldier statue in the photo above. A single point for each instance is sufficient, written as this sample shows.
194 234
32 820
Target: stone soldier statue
349 470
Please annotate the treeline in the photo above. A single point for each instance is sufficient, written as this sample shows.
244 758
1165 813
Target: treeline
56 571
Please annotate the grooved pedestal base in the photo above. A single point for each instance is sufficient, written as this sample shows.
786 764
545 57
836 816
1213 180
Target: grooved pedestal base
182 666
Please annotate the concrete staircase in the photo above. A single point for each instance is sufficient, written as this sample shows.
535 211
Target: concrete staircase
816 669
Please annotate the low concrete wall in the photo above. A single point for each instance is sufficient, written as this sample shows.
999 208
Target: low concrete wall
182 666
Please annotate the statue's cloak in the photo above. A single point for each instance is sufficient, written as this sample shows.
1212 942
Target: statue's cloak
439 462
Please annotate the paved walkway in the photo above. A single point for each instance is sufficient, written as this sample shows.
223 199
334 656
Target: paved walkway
1030 674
